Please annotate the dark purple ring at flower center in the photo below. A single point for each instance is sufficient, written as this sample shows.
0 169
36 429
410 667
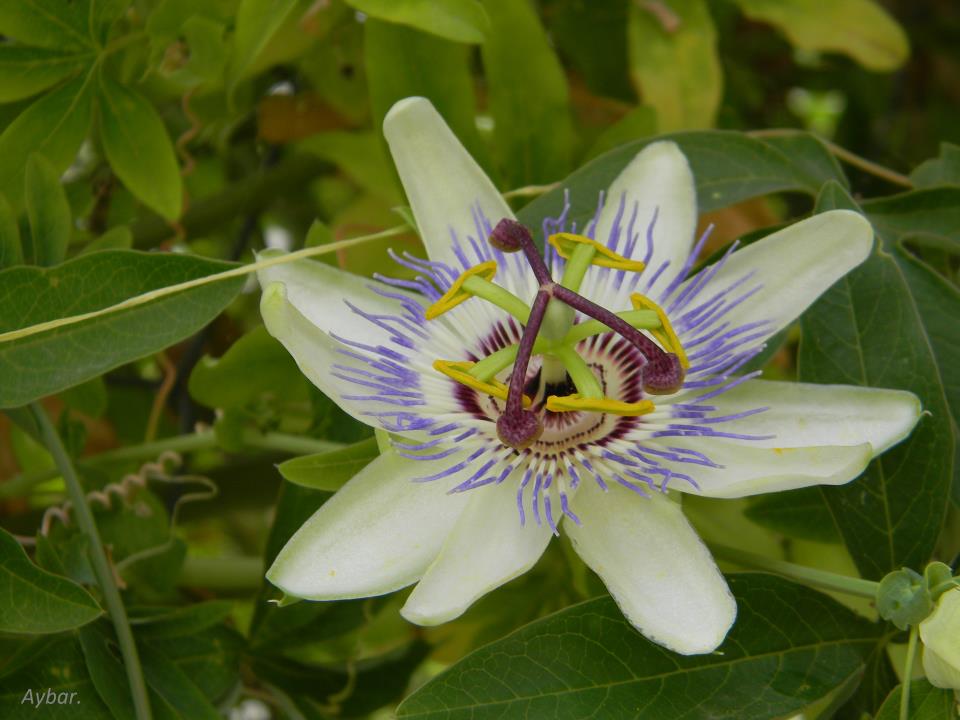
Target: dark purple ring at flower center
518 428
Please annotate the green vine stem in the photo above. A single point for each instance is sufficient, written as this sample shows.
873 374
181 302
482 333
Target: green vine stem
101 565
192 442
908 673
809 576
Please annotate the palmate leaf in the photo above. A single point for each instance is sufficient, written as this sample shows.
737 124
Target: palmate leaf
790 646
869 330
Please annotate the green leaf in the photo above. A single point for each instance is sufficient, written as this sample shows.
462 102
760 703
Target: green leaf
361 156
942 170
926 703
49 212
861 29
528 96
176 622
36 601
54 126
930 216
639 123
330 470
790 645
210 659
25 71
116 238
62 357
797 513
402 62
101 652
728 167
674 63
891 516
462 21
11 251
257 21
46 23
89 398
62 671
138 148
178 695
253 366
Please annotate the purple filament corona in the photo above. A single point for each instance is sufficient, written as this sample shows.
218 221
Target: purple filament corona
392 378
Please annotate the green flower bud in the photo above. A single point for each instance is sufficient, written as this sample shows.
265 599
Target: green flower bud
904 598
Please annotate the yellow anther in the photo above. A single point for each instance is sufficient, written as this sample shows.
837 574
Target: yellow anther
459 370
665 334
604 257
575 403
456 294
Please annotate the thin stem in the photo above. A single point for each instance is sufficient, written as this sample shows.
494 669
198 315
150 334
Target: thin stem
101 566
241 271
846 156
809 576
293 444
908 672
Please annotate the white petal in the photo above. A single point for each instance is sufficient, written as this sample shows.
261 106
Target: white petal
802 414
443 183
655 566
487 548
321 292
315 351
376 535
748 470
793 267
657 181
941 640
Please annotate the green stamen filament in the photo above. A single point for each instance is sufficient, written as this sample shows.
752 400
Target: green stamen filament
499 296
640 319
576 267
587 384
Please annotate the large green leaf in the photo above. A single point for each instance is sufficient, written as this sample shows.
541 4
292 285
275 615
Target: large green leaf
54 126
61 668
255 365
36 601
51 361
674 62
941 170
25 71
51 222
458 20
47 23
11 249
868 330
257 21
931 216
727 167
330 471
138 148
790 645
861 29
926 703
402 61
528 96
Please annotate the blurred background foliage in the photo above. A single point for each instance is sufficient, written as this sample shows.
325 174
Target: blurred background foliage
214 128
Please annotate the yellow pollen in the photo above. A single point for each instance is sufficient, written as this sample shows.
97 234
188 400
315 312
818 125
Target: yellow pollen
576 403
565 243
459 371
665 333
456 294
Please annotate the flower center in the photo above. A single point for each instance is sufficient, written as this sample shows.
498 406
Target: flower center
549 331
